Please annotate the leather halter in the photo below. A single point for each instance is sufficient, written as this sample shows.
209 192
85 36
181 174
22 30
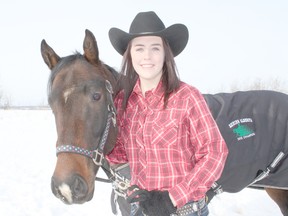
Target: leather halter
120 183
96 155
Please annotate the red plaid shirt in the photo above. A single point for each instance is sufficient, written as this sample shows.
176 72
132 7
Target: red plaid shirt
178 149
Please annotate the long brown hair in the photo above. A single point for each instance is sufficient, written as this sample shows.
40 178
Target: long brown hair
170 78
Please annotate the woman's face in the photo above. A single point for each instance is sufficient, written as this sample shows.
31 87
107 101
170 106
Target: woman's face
147 53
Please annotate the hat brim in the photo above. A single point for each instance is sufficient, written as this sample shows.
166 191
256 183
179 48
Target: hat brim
177 36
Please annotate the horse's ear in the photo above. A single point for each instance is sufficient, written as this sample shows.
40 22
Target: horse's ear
90 48
48 55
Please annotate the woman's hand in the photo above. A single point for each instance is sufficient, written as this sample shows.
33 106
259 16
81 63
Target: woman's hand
153 203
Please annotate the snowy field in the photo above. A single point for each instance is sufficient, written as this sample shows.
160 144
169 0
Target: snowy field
27 162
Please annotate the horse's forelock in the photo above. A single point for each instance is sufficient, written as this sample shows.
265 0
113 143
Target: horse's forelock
68 60
61 64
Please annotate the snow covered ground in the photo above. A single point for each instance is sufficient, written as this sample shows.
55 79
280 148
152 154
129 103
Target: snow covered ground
27 141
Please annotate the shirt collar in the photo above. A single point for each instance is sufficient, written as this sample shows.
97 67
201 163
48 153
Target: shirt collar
157 92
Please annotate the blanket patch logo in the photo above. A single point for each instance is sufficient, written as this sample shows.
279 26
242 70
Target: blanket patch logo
241 129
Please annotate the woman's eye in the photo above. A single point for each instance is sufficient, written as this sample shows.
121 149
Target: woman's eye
96 96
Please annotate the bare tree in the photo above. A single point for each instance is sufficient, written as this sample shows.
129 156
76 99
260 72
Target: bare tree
1 97
4 100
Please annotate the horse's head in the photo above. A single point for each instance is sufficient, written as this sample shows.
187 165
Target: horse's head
80 96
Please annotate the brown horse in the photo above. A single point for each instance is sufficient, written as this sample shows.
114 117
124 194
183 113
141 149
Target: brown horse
80 96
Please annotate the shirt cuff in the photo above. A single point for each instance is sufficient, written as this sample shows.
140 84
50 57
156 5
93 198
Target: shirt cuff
182 194
179 194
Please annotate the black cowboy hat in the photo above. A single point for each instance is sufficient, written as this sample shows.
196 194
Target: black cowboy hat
146 24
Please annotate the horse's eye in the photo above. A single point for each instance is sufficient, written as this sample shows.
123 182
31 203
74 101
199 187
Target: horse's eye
96 96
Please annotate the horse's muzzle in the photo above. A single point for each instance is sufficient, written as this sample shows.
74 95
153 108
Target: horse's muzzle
74 190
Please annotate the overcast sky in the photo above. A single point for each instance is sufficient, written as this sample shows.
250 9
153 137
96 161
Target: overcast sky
231 42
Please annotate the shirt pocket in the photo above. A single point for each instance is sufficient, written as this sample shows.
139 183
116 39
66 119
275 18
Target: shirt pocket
164 130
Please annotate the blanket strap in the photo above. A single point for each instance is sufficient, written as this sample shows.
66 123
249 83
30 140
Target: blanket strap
270 168
217 188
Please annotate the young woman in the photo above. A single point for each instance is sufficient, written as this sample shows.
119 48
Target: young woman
166 131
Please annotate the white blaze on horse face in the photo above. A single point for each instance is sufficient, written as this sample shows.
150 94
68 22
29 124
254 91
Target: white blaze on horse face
67 93
66 192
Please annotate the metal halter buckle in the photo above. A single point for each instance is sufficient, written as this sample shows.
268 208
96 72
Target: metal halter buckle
120 185
97 157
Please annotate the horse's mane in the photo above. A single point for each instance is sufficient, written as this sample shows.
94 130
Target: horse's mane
117 76
113 71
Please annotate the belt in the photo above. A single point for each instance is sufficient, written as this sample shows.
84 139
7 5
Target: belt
190 208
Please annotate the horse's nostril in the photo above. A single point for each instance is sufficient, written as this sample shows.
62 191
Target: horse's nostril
79 187
74 190
54 187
